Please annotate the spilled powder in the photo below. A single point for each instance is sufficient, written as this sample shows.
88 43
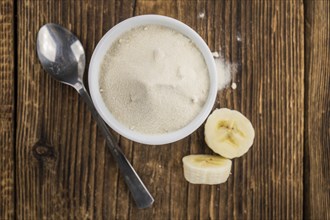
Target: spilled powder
224 73
215 54
154 80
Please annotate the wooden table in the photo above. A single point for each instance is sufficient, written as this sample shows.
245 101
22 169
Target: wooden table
53 159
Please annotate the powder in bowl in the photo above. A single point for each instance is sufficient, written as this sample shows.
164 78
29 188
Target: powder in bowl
154 80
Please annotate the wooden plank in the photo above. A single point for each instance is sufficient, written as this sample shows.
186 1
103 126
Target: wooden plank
63 167
7 110
265 40
317 108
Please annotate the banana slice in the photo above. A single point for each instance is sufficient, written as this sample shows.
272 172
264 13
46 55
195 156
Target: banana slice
228 133
206 169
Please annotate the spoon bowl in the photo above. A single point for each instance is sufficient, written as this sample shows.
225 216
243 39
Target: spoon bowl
61 54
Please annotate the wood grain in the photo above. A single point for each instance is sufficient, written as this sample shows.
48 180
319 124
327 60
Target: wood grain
265 39
63 167
64 171
317 110
7 110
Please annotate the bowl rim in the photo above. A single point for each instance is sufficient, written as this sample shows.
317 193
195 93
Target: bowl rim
94 69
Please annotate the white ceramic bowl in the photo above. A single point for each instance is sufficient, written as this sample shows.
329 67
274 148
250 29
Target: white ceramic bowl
94 71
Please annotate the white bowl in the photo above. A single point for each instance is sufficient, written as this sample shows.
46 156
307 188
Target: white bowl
94 71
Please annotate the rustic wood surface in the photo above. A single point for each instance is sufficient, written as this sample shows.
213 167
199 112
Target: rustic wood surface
53 160
7 111
317 110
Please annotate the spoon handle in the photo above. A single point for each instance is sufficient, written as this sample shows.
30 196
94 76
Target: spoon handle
140 193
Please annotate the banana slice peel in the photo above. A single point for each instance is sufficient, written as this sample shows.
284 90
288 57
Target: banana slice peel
229 133
206 169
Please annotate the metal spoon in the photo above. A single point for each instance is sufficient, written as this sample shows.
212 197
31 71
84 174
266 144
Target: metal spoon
62 56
